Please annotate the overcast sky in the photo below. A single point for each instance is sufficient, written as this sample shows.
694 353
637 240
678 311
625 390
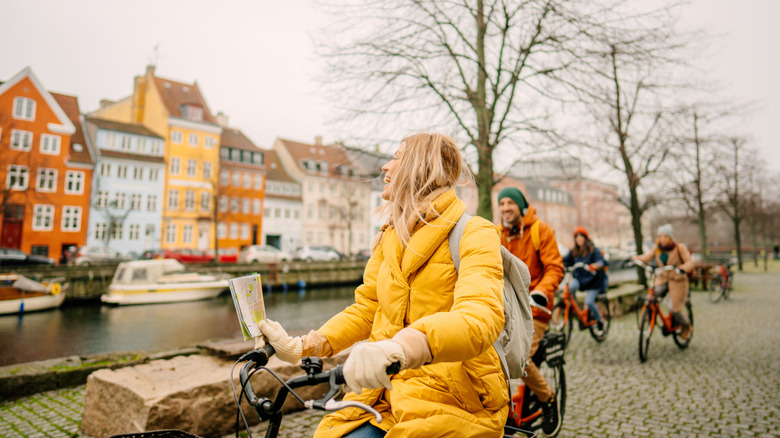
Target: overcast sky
254 60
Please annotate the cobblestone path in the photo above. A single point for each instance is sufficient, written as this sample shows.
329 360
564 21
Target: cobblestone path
727 383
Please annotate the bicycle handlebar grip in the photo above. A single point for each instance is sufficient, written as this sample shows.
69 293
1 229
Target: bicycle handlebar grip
393 368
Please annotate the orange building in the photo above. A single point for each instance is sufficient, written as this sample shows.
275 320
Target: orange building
240 192
45 168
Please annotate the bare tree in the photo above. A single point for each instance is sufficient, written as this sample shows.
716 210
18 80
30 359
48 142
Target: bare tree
481 69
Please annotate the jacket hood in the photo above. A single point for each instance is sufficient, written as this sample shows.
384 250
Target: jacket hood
530 217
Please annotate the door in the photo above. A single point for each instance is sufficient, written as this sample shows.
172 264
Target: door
13 218
274 240
254 234
203 236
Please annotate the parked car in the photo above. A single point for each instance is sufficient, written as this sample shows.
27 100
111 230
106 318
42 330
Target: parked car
363 254
317 253
226 255
262 254
97 255
184 255
11 257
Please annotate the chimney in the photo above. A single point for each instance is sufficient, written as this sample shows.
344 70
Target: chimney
222 119
318 140
150 70
104 103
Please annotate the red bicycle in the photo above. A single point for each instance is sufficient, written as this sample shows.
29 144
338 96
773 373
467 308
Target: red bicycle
720 286
566 310
652 312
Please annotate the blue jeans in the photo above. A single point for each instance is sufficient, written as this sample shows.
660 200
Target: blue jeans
590 297
367 430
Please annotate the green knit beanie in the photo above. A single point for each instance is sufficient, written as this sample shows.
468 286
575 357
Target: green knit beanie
516 195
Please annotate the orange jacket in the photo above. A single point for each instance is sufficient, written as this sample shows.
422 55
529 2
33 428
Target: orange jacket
545 266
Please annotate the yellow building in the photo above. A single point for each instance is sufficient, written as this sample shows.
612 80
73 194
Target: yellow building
179 113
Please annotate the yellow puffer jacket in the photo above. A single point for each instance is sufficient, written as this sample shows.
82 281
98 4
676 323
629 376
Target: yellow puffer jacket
462 392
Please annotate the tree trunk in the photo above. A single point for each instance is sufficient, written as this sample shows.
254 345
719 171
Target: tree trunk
738 241
702 214
636 224
484 180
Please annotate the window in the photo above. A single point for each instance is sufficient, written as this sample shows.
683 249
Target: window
209 142
156 147
101 229
151 203
267 212
234 231
125 143
245 205
43 217
258 182
247 181
234 205
134 232
192 112
205 201
189 200
141 145
154 174
221 230
173 198
105 169
192 168
310 211
224 153
21 140
74 182
135 201
110 141
47 180
193 139
257 158
50 144
256 206
236 179
277 212
102 199
175 166
206 170
117 228
119 201
121 171
71 218
17 177
297 214
176 137
170 233
186 234
224 178
223 203
138 173
287 213
245 231
40 250
24 108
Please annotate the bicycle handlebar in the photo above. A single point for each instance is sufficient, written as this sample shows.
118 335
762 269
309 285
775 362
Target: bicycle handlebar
656 271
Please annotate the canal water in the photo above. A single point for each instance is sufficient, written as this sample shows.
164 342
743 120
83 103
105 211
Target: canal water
87 329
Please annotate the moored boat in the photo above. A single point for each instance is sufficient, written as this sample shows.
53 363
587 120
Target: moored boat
19 294
160 281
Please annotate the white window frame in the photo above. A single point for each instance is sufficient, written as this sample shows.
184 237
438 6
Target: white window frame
258 182
126 143
193 139
222 230
22 174
120 200
256 207
223 203
134 232
245 208
151 203
236 179
234 205
71 218
175 166
50 144
173 199
224 178
244 231
135 201
138 173
25 138
105 169
101 200
206 170
43 217
234 230
189 200
186 234
121 171
154 174
101 229
205 201
46 175
171 233
75 178
24 105
209 141
247 180
192 168
176 136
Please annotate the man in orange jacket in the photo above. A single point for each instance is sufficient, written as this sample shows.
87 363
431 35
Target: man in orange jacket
535 245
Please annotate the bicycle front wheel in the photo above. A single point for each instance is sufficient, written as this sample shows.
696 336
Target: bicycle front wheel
716 289
559 323
603 305
683 343
556 378
645 331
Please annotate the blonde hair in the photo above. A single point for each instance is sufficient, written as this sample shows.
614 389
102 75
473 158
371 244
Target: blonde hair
430 164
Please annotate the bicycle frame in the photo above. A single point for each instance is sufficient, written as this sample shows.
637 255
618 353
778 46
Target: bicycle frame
570 304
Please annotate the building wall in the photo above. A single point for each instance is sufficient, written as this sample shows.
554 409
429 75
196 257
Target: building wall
282 222
49 239
240 206
324 204
189 226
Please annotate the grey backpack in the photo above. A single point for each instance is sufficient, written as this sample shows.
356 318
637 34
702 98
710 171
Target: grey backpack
514 342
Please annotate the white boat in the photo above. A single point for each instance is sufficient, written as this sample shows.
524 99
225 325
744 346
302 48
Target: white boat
160 281
19 294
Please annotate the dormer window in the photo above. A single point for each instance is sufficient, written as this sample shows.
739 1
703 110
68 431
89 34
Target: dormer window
192 112
323 166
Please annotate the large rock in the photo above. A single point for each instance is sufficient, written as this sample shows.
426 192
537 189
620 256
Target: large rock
188 393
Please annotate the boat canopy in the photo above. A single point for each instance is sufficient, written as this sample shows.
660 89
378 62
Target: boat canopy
146 271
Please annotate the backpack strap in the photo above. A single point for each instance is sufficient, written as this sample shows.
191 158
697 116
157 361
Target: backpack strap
535 238
454 238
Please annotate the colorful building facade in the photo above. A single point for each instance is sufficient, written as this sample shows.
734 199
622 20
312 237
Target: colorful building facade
46 169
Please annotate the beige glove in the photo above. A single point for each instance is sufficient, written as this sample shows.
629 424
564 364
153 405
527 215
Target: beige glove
366 364
287 348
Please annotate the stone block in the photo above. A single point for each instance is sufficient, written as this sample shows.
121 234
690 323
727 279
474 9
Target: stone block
190 393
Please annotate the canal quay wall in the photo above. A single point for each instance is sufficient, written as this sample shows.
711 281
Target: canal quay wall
89 282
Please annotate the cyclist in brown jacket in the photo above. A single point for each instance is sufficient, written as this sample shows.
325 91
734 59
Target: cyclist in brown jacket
533 242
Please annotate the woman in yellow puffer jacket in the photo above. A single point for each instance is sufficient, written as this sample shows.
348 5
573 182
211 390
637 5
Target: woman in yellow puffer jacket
413 308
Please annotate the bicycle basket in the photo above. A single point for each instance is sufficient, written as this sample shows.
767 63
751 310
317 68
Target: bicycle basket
554 348
167 433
